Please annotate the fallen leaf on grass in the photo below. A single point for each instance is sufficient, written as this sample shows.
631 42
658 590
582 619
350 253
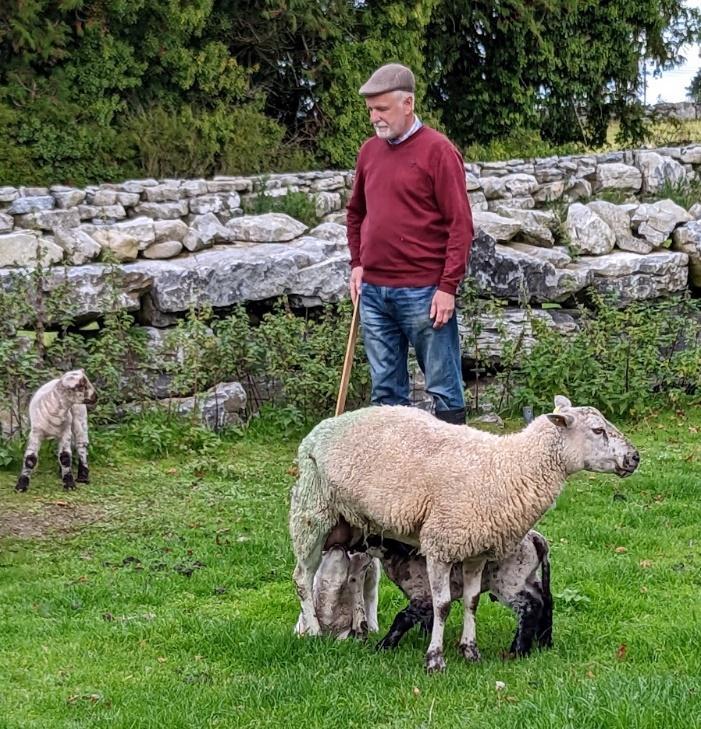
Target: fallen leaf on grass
620 550
621 652
94 698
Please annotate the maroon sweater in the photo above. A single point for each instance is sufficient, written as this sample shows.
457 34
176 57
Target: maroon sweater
409 219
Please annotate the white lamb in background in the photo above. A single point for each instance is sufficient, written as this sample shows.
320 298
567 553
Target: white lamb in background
58 410
460 494
345 594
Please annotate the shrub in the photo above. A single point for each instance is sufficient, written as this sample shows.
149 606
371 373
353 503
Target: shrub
626 362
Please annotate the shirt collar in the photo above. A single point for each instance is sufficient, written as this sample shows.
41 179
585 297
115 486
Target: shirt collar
412 130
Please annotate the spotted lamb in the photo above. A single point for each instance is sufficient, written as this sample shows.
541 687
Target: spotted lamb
514 582
58 410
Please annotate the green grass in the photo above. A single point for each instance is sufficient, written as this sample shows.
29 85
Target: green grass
161 596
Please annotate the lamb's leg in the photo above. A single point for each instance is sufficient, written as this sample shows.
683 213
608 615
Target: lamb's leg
472 586
439 579
544 631
64 457
528 608
31 457
370 594
81 441
404 621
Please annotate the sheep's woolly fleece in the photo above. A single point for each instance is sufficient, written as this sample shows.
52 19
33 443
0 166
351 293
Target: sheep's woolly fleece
459 491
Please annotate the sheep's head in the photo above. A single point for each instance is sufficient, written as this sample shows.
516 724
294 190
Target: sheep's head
592 443
78 387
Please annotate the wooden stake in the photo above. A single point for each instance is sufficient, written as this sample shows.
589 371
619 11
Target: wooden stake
348 361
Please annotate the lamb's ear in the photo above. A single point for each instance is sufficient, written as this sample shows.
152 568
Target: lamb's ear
562 402
562 420
72 379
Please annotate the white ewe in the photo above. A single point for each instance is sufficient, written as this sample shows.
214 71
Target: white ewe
57 410
461 494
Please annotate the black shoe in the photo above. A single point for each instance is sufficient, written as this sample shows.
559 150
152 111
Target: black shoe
454 417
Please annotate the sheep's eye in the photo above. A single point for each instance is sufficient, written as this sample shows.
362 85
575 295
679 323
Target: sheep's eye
598 431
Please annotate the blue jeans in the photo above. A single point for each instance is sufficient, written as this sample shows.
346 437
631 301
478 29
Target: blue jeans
393 318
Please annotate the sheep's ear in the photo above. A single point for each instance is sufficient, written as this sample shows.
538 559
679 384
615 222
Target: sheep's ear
562 402
562 420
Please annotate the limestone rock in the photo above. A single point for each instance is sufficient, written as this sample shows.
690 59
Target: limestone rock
270 227
587 231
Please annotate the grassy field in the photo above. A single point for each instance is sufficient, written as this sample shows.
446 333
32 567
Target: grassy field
160 596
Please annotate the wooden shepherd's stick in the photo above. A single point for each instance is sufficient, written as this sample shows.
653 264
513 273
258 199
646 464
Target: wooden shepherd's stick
348 361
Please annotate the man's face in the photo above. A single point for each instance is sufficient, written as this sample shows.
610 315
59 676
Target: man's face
391 114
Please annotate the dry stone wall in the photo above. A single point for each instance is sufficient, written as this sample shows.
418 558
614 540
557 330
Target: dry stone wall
178 243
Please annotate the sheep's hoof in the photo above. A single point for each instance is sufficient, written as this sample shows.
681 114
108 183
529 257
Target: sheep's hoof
83 475
360 633
22 484
302 631
435 663
68 483
469 652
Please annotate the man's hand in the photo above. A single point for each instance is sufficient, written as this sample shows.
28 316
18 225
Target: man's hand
356 279
442 308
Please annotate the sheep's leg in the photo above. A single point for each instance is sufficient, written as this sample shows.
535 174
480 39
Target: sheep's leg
370 594
64 457
31 457
304 581
439 579
311 522
79 429
472 587
404 621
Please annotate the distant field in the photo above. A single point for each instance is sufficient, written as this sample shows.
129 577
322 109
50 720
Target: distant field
664 133
161 596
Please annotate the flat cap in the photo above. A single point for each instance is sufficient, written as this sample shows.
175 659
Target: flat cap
391 77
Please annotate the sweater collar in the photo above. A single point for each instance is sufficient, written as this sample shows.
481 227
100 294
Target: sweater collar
412 130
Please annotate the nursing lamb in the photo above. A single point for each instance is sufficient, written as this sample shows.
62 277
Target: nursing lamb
460 494
58 410
514 582
345 594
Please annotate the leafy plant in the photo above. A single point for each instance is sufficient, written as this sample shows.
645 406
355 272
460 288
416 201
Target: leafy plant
626 361
297 205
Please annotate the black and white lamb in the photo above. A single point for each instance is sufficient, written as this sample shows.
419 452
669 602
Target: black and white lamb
58 410
460 494
514 582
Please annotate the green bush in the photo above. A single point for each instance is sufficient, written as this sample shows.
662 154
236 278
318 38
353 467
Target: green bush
297 205
626 362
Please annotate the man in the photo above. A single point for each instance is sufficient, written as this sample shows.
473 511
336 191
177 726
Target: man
409 233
